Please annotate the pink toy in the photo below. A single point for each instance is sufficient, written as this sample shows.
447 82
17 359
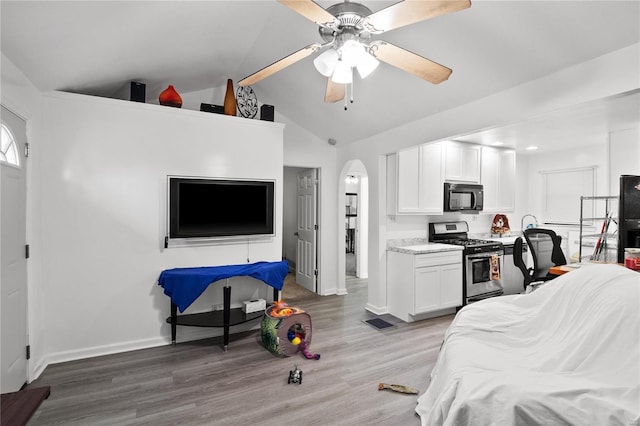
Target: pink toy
305 351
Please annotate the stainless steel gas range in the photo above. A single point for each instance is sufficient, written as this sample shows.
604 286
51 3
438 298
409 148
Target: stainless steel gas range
482 260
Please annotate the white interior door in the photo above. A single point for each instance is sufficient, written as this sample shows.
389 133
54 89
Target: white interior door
13 263
307 229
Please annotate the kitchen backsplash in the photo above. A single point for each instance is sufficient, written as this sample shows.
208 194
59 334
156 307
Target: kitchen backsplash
416 227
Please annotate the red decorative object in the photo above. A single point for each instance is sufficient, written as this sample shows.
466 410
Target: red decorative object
169 97
230 105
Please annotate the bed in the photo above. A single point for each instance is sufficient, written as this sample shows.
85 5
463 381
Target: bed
565 354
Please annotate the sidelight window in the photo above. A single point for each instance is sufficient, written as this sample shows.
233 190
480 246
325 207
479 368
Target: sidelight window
8 147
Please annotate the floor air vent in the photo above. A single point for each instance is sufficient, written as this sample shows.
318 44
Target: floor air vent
378 323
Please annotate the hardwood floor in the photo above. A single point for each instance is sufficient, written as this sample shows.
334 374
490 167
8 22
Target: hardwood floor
197 383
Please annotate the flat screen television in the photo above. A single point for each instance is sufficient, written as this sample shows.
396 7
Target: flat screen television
217 208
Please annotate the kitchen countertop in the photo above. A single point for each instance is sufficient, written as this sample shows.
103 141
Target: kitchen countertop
425 248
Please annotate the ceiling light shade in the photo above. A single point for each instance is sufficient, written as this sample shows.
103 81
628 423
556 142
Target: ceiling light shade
326 62
342 73
351 51
367 64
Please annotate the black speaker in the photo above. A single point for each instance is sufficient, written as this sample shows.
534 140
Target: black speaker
267 112
138 92
217 109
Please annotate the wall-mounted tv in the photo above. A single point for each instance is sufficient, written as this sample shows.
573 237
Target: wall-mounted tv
217 208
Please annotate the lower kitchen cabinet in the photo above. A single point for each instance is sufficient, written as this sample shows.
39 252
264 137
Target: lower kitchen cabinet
423 283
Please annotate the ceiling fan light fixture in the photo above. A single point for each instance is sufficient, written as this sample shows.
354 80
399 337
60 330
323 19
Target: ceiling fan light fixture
351 52
326 62
347 27
342 73
367 64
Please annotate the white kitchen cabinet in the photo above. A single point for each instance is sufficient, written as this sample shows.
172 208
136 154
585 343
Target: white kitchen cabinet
462 162
423 283
498 176
415 180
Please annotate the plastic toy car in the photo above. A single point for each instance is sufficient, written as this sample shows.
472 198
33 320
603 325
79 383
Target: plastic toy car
295 376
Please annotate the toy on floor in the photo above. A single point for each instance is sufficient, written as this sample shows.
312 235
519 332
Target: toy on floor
295 375
281 309
305 351
286 330
297 337
398 388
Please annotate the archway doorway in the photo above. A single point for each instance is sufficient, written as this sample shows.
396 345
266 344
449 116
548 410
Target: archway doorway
354 190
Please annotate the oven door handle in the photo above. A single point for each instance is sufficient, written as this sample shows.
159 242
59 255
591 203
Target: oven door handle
484 255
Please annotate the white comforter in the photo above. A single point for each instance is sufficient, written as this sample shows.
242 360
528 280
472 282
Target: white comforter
568 353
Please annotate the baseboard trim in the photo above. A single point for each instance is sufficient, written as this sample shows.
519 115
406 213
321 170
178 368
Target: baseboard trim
73 355
37 370
184 334
378 310
329 292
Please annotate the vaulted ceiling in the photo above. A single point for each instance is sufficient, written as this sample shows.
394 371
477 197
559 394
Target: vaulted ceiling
95 47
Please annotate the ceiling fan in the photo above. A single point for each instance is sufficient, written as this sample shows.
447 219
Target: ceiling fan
347 28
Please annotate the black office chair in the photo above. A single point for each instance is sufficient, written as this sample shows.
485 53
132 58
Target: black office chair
546 252
519 262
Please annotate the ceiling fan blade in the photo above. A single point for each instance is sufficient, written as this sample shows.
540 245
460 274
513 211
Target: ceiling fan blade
335 91
312 11
279 65
409 62
411 11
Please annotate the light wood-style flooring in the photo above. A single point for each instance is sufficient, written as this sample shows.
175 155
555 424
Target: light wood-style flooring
197 383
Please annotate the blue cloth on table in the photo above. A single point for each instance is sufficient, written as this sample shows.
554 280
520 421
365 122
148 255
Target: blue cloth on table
185 285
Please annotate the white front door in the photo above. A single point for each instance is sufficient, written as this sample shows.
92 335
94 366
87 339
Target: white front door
13 263
307 229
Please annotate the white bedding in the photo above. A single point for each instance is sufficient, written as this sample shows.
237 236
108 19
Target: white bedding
568 353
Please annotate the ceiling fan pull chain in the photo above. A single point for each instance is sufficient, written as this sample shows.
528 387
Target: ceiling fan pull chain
352 85
349 87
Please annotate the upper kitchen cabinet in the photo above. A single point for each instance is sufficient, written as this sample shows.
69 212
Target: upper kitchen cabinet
462 162
415 180
498 176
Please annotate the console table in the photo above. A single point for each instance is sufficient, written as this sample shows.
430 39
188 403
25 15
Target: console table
185 285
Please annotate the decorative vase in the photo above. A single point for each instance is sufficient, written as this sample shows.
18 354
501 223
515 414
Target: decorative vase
169 97
230 99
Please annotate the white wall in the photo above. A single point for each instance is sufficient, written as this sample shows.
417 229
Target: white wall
302 150
608 75
591 156
89 248
624 156
100 188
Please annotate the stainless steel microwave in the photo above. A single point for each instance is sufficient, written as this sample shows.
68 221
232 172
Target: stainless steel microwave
463 197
